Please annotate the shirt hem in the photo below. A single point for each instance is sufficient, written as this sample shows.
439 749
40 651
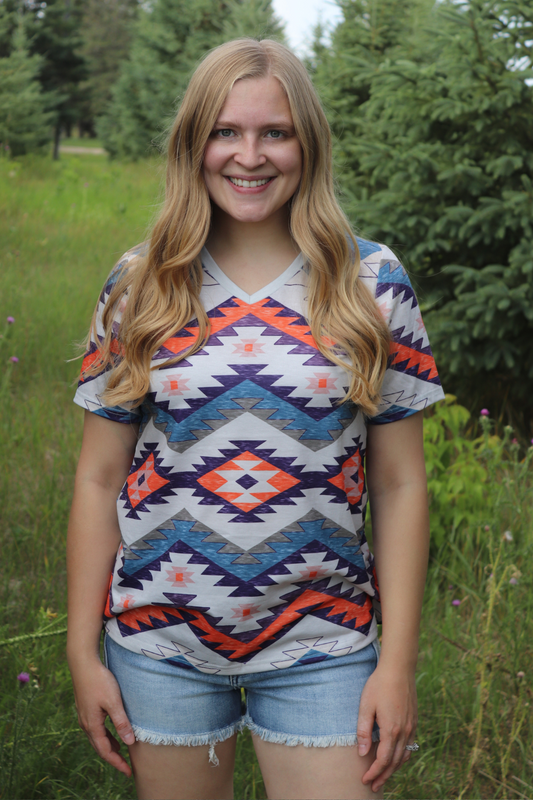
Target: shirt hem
251 667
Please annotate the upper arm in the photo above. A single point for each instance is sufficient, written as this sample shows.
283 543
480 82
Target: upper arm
107 451
395 455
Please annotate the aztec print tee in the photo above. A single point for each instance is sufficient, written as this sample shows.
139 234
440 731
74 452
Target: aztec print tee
242 518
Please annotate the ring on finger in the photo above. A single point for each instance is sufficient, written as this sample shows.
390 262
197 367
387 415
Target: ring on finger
412 747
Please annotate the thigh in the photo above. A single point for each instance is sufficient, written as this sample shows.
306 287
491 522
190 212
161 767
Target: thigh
170 772
314 773
185 724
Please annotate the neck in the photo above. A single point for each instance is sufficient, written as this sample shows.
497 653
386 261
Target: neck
270 237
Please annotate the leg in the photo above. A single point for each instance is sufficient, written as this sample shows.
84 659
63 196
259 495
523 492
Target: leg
169 772
314 773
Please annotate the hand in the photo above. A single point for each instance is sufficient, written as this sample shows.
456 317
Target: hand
97 695
389 696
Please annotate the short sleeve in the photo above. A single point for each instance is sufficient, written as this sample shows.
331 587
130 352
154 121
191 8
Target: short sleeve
411 381
92 387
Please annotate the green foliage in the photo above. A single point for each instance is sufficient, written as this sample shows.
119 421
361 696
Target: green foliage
106 32
456 478
53 35
169 39
24 119
54 32
435 132
252 18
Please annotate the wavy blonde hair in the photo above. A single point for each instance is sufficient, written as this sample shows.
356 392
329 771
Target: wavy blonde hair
163 286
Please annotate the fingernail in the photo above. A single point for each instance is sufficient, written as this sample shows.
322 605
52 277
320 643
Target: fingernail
129 738
362 749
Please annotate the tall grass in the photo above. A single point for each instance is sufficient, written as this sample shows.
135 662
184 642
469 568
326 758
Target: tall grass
62 226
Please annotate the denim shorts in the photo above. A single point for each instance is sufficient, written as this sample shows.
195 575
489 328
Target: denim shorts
314 704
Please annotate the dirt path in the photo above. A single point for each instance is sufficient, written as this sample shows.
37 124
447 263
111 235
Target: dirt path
92 151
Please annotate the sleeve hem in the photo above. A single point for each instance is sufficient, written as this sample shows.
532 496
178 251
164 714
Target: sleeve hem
397 412
113 413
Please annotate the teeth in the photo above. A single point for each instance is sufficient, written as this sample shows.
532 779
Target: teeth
249 184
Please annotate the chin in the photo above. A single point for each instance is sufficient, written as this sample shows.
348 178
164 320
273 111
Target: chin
251 216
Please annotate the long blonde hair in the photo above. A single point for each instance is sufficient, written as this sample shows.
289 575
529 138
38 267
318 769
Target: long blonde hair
163 286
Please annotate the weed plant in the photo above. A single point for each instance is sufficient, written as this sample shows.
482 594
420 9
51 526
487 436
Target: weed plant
62 227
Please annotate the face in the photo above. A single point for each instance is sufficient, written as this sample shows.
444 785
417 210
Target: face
253 160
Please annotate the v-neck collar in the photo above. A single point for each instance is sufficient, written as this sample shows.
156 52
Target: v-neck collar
212 267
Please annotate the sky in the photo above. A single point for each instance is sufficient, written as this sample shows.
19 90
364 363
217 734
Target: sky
300 16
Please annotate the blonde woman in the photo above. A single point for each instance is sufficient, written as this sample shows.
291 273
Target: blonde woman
242 367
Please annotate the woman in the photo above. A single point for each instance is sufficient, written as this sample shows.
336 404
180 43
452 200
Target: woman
237 376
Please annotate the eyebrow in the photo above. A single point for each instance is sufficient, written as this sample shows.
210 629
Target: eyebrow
281 122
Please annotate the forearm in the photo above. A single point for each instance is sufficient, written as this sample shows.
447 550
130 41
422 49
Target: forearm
400 530
92 542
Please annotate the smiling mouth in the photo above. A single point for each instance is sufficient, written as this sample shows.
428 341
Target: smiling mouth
249 184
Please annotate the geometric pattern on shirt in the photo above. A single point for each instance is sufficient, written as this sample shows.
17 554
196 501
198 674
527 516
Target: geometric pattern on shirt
269 443
306 651
148 482
246 564
250 398
329 593
247 480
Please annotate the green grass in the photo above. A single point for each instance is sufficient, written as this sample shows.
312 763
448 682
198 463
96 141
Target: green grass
62 227
76 141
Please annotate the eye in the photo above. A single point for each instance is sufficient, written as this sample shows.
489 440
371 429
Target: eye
224 133
275 134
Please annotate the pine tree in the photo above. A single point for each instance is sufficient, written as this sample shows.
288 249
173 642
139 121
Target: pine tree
437 161
168 41
254 18
25 123
53 29
106 31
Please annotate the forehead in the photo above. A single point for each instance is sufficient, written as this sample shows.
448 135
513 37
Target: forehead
259 99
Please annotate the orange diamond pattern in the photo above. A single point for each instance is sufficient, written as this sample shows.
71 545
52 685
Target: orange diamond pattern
266 481
144 481
351 479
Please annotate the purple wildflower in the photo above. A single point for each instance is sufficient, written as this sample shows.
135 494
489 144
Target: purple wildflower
513 581
10 320
484 412
14 359
456 602
520 674
23 677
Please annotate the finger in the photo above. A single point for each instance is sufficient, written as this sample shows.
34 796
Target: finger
395 763
108 748
383 758
103 740
121 723
365 724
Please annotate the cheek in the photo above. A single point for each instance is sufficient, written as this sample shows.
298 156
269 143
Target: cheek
293 162
213 160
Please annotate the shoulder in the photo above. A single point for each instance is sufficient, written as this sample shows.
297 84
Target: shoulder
383 273
122 267
374 257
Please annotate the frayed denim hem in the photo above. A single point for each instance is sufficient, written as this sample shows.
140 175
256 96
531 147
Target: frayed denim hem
193 740
293 739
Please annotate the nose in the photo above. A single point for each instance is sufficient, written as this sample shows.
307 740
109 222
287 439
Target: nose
249 153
